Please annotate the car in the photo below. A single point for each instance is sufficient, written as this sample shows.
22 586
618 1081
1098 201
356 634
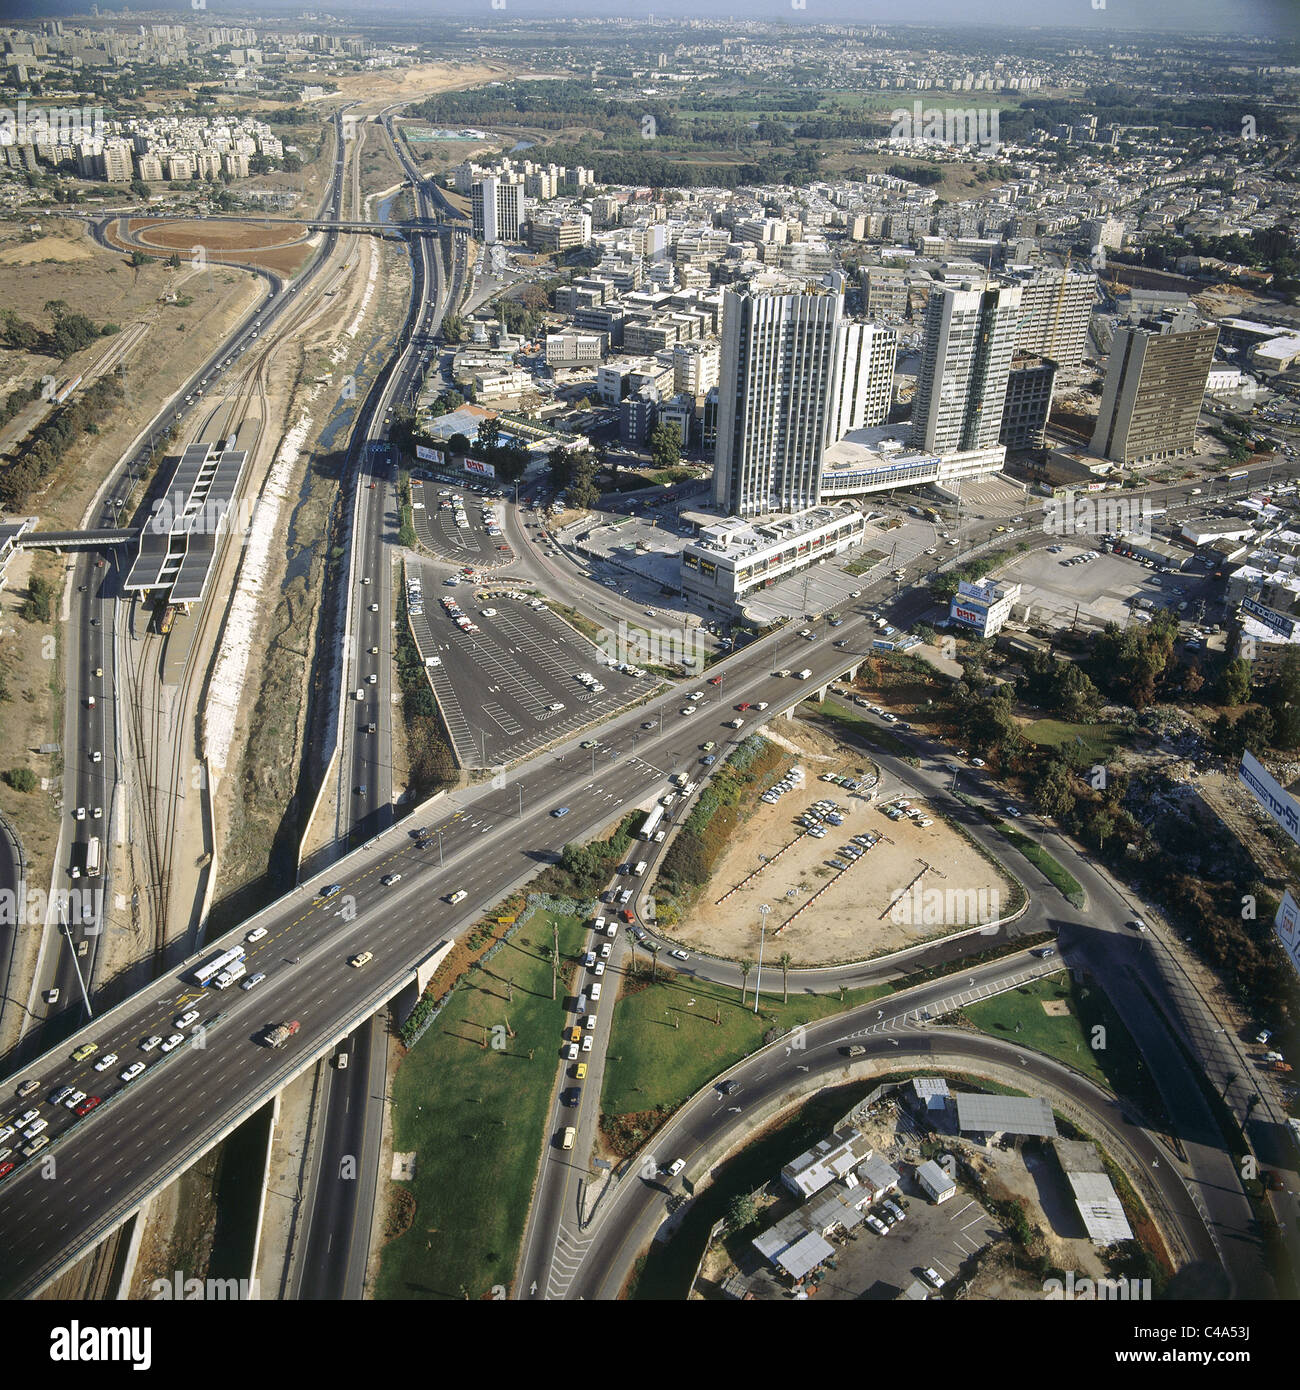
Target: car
933 1277
1138 924
679 955
255 935
976 762
560 811
152 1041
877 1225
184 1020
648 724
886 1216
133 1071
97 756
555 706
87 1105
331 890
85 1050
251 983
389 879
61 1095
175 1040
590 959
90 702
81 813
1013 811
571 1051
107 1060
895 1210
26 1118
587 1039
357 961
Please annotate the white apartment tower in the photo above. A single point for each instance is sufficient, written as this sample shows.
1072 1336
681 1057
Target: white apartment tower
795 375
498 208
970 338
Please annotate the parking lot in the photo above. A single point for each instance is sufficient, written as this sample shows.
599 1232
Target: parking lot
921 878
499 688
458 536
1102 590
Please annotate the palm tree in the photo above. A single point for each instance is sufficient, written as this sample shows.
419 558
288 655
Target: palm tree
631 969
654 961
784 963
745 966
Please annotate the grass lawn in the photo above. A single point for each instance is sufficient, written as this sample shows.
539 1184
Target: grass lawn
1069 1038
474 1118
651 1062
1098 741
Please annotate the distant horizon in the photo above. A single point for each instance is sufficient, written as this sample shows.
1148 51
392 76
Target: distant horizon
1270 20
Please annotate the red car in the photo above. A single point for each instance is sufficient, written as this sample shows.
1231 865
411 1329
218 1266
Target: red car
87 1105
6 1169
717 680
746 705
627 916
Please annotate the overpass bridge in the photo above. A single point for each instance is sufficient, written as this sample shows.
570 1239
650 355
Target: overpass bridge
76 540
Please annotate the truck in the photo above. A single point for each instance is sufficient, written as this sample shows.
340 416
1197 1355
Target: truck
653 817
1283 1068
237 971
277 1034
92 856
804 674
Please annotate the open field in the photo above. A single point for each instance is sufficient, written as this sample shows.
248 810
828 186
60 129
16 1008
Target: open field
665 1043
852 919
1098 741
472 1114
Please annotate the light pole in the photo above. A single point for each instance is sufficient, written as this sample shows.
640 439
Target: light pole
438 833
763 910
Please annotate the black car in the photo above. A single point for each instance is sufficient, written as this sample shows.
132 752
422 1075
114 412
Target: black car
729 1088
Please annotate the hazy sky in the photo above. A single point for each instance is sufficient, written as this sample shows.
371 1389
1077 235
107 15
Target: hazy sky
1265 18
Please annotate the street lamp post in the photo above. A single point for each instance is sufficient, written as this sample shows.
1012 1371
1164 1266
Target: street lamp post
763 910
438 833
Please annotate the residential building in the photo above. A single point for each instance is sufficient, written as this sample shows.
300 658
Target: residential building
1055 315
962 385
497 207
1151 400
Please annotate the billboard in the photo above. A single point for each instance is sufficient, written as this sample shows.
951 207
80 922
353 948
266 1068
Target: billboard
1280 804
422 451
1270 617
1287 925
484 470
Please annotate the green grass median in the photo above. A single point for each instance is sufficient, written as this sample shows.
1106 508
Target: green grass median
1069 887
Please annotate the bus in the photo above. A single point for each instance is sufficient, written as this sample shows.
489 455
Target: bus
92 856
205 974
1236 477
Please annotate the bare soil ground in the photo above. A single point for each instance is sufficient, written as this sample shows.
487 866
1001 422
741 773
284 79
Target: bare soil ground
376 88
852 920
280 247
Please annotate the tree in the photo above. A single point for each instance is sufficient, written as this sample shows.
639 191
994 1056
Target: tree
21 779
740 1212
140 189
744 966
583 492
559 463
1234 682
784 962
453 328
458 444
665 445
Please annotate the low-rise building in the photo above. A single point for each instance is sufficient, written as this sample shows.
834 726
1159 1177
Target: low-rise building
934 1182
983 607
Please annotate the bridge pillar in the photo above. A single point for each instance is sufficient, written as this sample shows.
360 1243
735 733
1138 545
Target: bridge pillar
821 692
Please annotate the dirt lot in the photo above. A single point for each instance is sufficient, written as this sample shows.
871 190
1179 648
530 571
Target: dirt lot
281 247
852 919
423 79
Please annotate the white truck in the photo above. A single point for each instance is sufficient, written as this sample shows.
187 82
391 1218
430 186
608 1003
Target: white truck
804 674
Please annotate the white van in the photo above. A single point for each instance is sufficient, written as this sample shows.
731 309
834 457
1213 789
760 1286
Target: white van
802 675
640 869
595 992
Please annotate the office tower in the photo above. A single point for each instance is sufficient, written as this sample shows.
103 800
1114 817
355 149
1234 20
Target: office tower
1028 403
1055 314
961 389
1155 381
781 352
498 208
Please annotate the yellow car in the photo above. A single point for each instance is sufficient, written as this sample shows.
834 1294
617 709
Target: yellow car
576 1034
84 1051
581 1073
357 961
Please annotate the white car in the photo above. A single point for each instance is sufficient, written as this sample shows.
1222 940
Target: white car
933 1277
173 1042
133 1071
184 1020
106 1061
877 1225
251 983
75 1099
150 1043
255 935
679 955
